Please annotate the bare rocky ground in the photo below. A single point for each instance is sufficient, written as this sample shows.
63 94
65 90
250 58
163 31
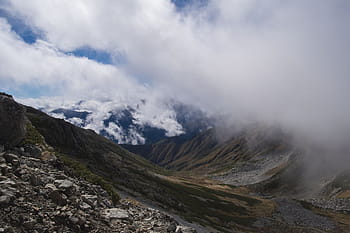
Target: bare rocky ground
39 194
341 205
255 170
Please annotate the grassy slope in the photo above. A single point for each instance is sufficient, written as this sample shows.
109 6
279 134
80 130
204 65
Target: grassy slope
206 154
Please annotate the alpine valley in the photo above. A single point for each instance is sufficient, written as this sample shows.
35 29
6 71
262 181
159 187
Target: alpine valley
172 173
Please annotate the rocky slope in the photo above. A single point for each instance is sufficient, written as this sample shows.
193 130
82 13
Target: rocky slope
38 193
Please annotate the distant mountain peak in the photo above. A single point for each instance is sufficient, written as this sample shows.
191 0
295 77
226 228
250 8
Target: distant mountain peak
141 122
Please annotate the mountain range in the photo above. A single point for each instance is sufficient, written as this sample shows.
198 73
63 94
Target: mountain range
251 181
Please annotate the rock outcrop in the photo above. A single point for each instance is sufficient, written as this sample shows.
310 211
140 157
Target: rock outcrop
12 121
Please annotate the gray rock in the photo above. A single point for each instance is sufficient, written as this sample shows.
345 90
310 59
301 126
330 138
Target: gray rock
33 151
2 148
5 199
57 197
8 183
29 224
183 229
4 169
74 220
10 157
12 123
64 184
15 163
35 180
171 227
50 186
84 206
115 213
90 199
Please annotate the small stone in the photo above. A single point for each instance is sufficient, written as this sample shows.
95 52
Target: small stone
35 180
4 169
29 224
74 220
84 206
50 186
15 163
171 227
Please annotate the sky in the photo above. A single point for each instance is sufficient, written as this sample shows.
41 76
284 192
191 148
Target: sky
276 61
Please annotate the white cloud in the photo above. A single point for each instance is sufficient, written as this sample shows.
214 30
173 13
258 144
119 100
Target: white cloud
276 61
152 112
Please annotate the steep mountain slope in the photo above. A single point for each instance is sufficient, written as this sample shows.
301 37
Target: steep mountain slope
205 153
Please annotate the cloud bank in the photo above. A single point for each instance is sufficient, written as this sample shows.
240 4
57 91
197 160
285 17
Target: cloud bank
278 62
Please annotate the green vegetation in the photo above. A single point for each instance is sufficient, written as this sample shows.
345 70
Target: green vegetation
211 207
82 171
32 135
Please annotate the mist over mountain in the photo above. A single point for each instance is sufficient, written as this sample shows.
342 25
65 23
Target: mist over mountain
142 122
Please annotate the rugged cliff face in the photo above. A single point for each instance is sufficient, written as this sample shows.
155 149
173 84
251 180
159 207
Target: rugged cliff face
12 121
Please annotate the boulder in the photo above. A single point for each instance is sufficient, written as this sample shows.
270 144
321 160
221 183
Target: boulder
10 157
57 198
67 186
115 213
5 200
32 150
